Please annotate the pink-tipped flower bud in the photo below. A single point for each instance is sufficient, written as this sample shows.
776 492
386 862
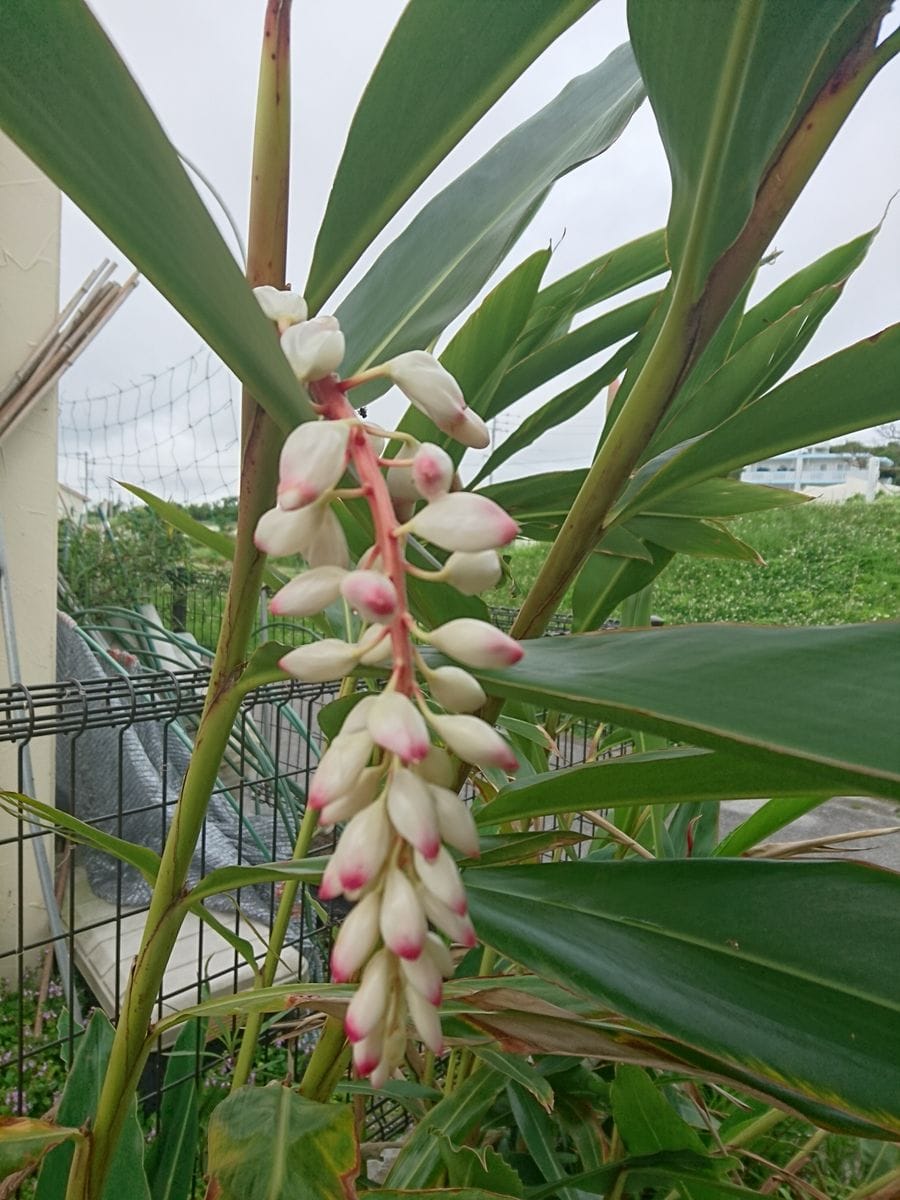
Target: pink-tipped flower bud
320 661
476 643
472 573
455 821
280 533
423 974
411 810
375 646
330 885
308 593
363 847
438 767
426 1020
458 929
403 926
397 725
345 807
455 689
438 952
368 1053
312 461
372 595
358 716
328 546
432 471
441 878
400 482
356 939
315 348
475 742
287 308
470 430
428 386
370 1002
339 768
464 521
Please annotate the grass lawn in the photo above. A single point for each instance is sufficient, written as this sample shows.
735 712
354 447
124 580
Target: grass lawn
825 565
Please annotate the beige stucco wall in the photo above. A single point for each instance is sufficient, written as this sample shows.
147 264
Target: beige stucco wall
29 294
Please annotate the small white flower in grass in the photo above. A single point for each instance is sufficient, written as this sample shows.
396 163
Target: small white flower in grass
402 918
426 1020
321 661
372 595
424 975
411 810
432 471
356 939
368 1005
455 689
363 848
397 725
428 386
285 307
340 768
308 593
441 878
314 348
312 461
476 643
471 573
464 521
475 741
455 821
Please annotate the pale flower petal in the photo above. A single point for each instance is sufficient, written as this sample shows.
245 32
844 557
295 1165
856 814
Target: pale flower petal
363 847
370 1001
412 813
285 307
441 878
314 348
356 939
371 594
471 573
402 917
308 593
475 741
320 661
397 725
456 690
455 821
312 461
476 643
464 521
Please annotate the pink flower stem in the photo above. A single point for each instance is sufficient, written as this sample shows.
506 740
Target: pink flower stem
332 403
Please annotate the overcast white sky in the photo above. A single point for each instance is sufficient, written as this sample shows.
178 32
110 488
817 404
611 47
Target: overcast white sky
197 60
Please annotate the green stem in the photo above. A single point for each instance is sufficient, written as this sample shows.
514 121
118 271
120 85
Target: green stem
878 1187
768 1120
323 1066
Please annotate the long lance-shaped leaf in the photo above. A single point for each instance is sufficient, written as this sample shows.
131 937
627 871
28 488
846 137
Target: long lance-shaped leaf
675 776
441 261
227 879
854 388
810 1003
445 65
68 100
681 682
604 582
23 1141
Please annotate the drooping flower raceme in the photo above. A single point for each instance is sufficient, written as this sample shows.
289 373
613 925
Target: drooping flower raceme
387 777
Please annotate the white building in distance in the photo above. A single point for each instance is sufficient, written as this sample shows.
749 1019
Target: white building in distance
815 471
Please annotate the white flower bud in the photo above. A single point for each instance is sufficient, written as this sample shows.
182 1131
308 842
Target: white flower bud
426 1020
358 716
328 546
464 521
402 917
455 689
376 649
320 661
397 725
474 572
367 1054
339 768
372 595
457 928
428 386
441 878
368 1005
470 430
315 348
330 885
287 308
455 821
363 848
308 593
476 643
423 974
437 767
345 807
280 533
400 482
312 461
440 955
475 742
432 471
411 810
356 939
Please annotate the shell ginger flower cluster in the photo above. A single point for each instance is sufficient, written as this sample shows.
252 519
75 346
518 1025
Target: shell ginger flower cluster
387 777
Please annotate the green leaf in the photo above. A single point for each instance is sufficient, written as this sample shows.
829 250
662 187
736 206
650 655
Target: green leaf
674 776
646 1122
762 64
419 1163
23 1140
332 716
725 498
519 847
604 582
172 1157
767 820
70 103
664 1167
539 1134
442 79
483 1169
142 858
686 535
78 1105
441 261
273 1144
263 667
809 407
637 679
221 543
515 1068
227 879
809 1005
